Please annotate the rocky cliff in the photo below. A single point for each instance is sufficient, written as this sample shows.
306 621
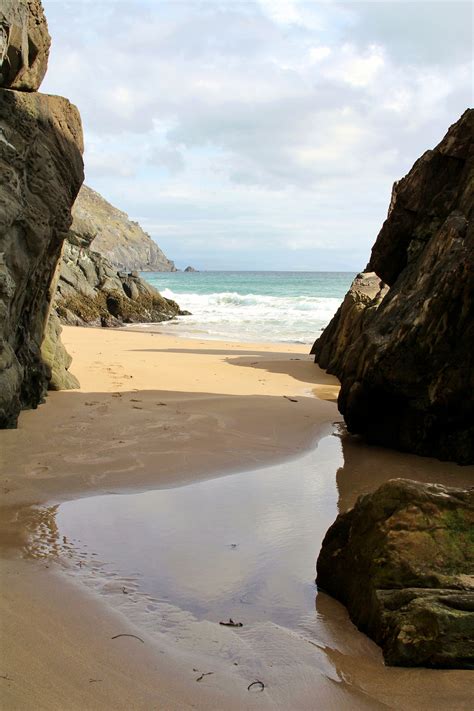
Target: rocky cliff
120 240
403 352
402 561
41 171
90 290
24 44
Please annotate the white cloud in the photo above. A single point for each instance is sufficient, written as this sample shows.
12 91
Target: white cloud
251 127
317 54
358 70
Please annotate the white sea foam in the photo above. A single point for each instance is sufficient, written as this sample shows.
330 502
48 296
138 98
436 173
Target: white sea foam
252 317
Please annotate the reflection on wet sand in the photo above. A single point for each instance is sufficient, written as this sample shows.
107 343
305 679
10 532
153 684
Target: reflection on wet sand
365 468
178 561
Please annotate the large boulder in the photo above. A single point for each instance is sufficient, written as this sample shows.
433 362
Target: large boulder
407 366
24 44
41 171
120 240
402 561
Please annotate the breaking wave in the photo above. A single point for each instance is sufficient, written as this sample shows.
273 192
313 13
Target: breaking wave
252 317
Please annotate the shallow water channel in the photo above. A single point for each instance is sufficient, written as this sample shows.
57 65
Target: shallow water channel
244 546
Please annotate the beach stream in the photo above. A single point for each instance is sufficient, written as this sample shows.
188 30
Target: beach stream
179 561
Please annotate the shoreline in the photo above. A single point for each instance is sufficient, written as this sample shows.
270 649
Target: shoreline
206 398
156 411
142 392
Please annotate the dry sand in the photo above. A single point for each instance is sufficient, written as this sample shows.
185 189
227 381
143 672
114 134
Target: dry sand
152 411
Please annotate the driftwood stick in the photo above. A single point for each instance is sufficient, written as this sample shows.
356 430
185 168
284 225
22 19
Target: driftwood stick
258 683
128 635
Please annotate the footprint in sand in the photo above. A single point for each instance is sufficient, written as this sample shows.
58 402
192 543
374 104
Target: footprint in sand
40 470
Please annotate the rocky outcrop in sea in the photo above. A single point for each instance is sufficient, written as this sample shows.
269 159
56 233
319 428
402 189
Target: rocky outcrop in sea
120 240
402 561
41 172
401 343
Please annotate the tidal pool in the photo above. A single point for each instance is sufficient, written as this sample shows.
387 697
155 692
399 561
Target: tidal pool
244 546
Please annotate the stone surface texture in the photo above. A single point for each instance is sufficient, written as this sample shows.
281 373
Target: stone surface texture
24 44
402 561
406 365
91 291
359 305
56 356
41 171
120 240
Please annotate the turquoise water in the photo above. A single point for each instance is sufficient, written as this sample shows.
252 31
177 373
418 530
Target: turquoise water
287 307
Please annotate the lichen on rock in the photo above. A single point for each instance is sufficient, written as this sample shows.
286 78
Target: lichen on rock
402 561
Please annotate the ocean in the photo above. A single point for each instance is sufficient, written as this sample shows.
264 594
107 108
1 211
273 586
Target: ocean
280 307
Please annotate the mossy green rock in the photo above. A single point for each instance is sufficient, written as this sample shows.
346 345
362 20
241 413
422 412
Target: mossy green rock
402 561
56 356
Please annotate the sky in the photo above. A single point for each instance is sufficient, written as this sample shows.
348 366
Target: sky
259 134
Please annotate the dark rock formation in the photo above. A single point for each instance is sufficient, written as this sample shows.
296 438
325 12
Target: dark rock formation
120 240
360 303
41 172
56 356
190 269
92 292
406 365
24 44
402 561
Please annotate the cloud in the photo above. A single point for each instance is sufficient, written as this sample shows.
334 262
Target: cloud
247 128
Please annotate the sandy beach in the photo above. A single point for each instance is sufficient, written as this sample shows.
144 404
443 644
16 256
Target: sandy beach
155 412
152 411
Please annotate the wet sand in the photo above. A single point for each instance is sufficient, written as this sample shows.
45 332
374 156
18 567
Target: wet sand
158 412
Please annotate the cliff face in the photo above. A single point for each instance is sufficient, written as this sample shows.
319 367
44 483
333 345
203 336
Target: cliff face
122 242
41 172
405 356
91 291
